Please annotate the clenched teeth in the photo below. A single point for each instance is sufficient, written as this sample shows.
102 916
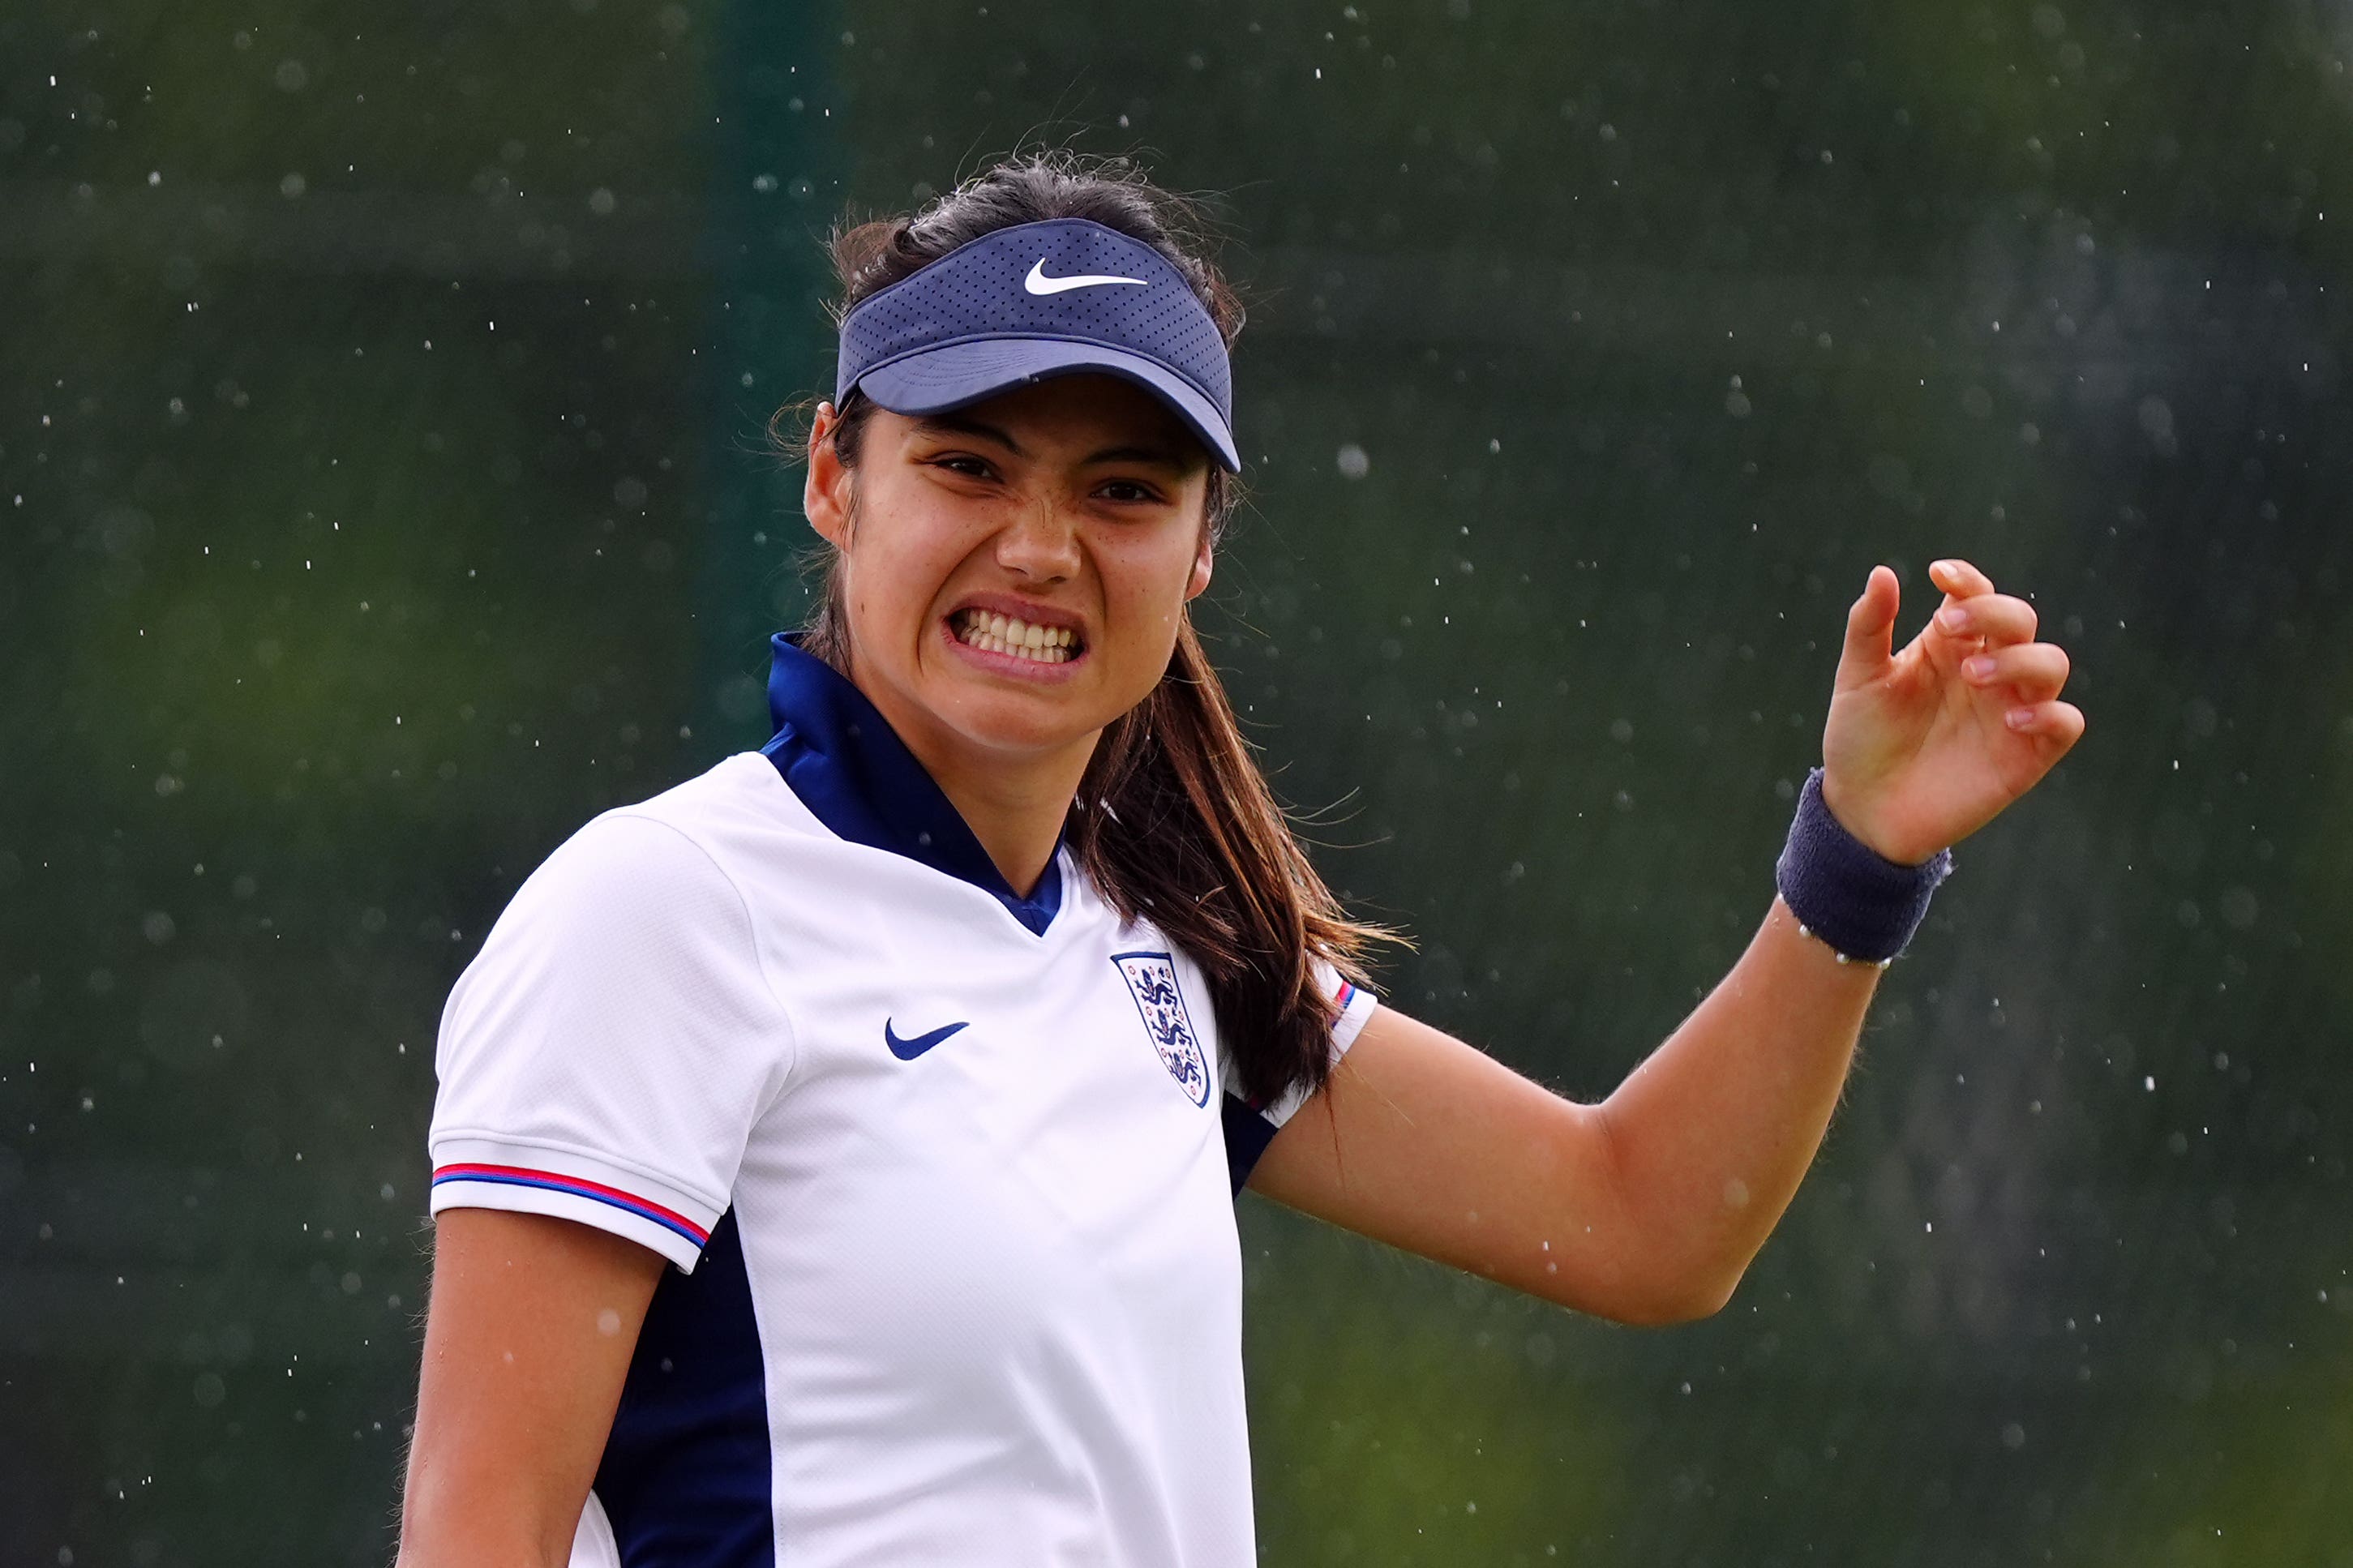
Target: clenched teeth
993 633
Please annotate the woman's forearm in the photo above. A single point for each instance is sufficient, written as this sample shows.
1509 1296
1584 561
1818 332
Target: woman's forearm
1711 1134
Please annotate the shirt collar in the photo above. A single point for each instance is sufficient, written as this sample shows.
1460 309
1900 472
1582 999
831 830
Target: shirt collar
842 758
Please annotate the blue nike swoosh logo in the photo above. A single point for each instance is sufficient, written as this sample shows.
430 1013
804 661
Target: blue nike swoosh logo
908 1050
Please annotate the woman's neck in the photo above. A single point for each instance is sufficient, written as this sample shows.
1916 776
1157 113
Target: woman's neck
1017 814
1015 804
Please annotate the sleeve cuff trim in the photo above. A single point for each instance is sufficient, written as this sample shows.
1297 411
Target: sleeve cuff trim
1357 1005
550 1181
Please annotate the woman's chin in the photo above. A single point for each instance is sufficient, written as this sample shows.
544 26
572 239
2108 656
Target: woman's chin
1017 724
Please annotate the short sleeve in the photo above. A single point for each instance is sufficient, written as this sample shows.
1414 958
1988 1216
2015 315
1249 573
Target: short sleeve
1250 1127
604 1056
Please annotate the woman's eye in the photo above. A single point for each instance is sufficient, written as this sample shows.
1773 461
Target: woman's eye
1129 490
955 463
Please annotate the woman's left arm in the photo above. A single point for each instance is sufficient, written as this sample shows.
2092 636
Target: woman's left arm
1649 1206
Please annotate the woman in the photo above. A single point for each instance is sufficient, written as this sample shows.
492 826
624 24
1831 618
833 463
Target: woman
929 1043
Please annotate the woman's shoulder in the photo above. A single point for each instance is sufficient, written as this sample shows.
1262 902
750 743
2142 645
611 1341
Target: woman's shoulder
700 845
735 809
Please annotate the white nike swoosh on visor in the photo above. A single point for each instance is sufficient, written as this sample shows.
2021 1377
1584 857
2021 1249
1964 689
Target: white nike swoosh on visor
1038 283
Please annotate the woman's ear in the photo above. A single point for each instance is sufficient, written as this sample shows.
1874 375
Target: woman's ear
825 493
1202 561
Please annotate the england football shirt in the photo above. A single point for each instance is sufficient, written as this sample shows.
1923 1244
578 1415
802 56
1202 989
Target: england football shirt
947 1173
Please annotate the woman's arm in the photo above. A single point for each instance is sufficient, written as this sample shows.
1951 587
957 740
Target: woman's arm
1647 1207
527 1341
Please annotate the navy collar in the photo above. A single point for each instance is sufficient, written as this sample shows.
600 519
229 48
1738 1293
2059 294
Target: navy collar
841 757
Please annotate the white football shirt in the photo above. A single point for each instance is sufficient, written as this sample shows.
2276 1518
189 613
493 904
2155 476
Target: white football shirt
947 1173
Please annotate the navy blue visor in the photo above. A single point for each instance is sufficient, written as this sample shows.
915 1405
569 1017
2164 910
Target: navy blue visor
1060 297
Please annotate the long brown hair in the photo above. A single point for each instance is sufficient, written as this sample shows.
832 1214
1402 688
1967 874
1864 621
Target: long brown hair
1174 822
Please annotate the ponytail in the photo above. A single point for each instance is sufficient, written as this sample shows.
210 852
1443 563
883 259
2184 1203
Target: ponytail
1174 822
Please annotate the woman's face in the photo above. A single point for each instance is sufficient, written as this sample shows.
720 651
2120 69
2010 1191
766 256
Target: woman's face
1015 569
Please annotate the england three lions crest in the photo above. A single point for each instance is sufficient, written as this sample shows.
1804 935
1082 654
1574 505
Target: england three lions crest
1151 980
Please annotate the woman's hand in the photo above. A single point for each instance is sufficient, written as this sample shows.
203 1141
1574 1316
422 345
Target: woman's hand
1926 746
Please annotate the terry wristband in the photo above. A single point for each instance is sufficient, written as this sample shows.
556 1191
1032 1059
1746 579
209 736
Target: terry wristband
1863 905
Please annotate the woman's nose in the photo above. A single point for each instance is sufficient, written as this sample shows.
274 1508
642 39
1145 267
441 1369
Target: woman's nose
1040 542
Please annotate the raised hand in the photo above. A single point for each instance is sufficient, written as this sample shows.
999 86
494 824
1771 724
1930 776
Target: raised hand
1926 746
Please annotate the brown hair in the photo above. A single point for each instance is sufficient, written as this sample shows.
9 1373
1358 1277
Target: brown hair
1173 823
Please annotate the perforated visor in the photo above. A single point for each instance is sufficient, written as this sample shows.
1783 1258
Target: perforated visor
954 374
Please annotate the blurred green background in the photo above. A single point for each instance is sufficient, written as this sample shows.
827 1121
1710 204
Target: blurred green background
383 493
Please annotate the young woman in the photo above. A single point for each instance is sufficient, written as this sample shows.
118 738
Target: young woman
835 1153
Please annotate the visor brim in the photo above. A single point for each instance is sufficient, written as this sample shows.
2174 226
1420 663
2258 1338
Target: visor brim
951 375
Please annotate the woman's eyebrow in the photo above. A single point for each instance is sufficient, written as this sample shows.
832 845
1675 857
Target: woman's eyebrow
1153 456
953 423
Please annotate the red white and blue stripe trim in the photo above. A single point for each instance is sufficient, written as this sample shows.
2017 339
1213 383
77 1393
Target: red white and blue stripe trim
1348 993
550 1181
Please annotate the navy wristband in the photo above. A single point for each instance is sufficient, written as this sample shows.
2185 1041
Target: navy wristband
1863 904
